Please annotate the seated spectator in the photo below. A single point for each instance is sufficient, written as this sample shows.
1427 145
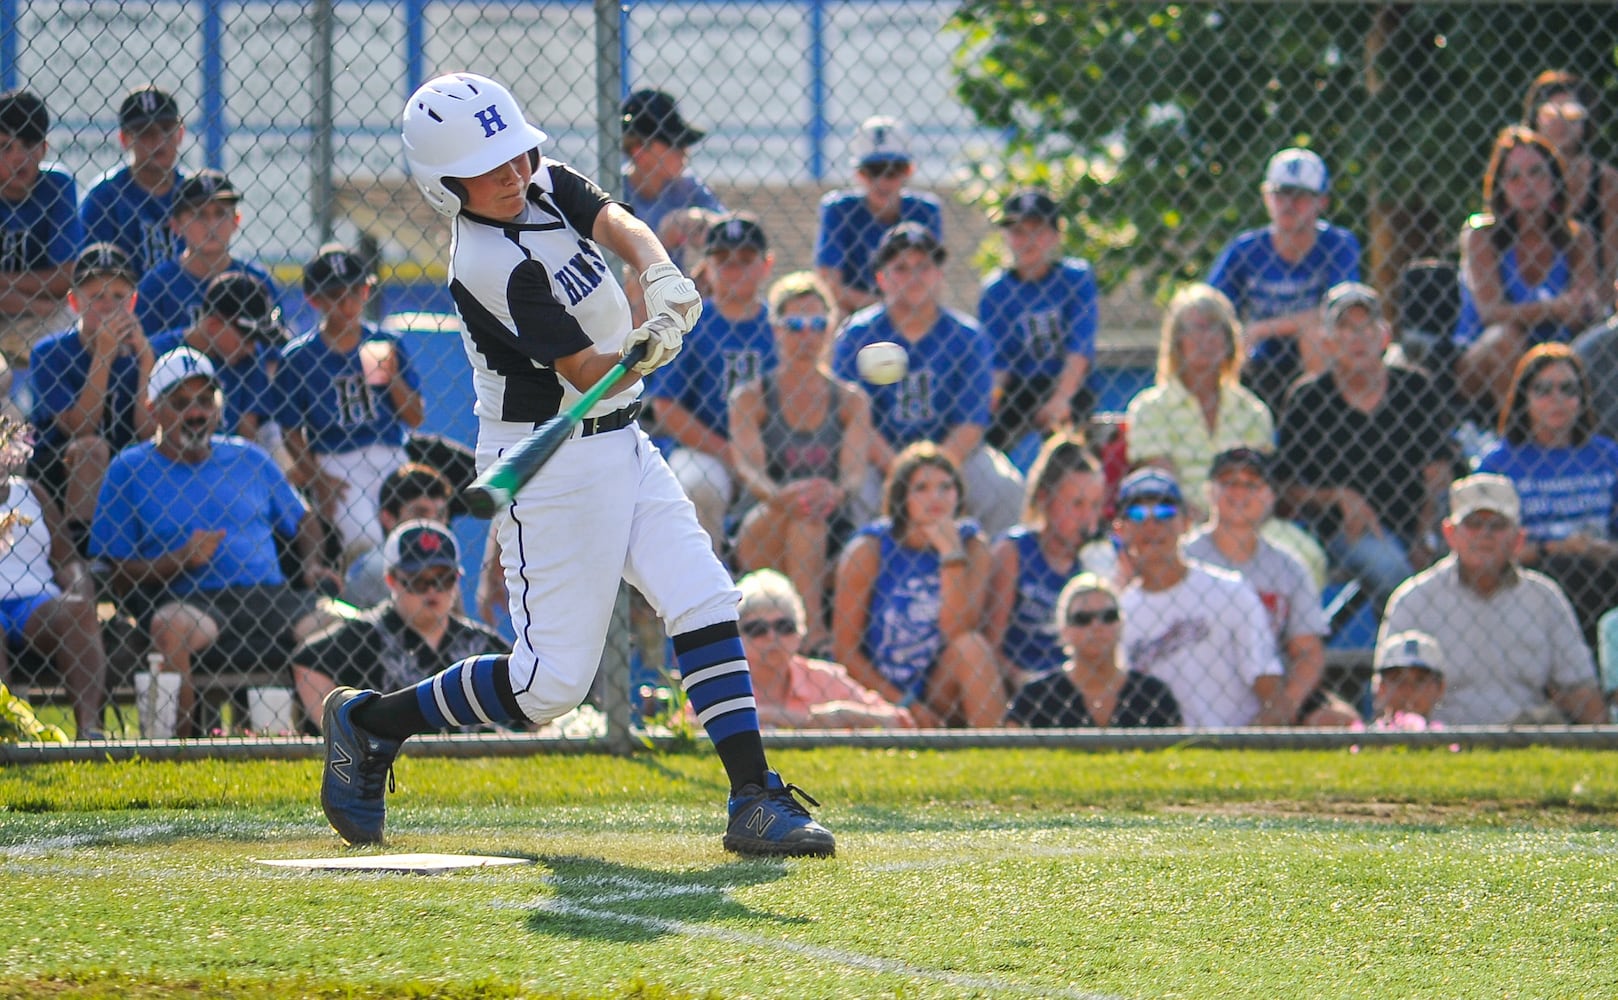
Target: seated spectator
1040 313
188 521
731 344
657 178
89 386
908 608
794 691
1199 629
1566 477
799 438
852 222
1092 687
1597 347
945 396
1033 561
345 396
47 599
412 492
205 217
1364 450
1242 496
129 206
1558 106
238 327
1276 277
1528 272
407 638
1510 639
1407 682
40 234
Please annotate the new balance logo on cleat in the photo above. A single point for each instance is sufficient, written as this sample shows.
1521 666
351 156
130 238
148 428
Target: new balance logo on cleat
339 764
768 821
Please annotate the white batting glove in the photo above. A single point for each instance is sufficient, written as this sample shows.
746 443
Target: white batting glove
663 338
670 293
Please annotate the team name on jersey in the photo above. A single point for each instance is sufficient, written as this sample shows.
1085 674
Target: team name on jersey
581 275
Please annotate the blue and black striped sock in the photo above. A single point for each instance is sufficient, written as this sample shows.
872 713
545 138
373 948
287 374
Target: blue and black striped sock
472 691
713 673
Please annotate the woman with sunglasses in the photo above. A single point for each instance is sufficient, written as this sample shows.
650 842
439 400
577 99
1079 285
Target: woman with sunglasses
1094 687
793 690
908 612
799 440
1566 475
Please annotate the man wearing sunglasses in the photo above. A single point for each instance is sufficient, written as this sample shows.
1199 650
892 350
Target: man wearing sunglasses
852 222
411 636
1199 629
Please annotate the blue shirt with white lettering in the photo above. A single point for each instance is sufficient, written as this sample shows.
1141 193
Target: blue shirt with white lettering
323 391
118 210
43 229
1564 491
950 381
1034 325
719 355
849 232
169 296
1261 285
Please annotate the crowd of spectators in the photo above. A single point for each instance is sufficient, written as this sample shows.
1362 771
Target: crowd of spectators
898 567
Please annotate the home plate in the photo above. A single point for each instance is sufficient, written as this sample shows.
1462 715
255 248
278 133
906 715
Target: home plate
415 864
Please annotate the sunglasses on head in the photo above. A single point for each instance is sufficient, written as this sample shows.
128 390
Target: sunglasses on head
426 583
798 324
1142 512
1080 619
758 628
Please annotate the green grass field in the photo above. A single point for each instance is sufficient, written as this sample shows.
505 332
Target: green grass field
1005 873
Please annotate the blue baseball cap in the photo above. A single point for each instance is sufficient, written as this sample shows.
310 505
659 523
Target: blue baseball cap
1150 483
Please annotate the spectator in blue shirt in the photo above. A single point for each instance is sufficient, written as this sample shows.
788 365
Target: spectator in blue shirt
944 397
40 233
732 343
89 386
852 222
188 522
1277 276
129 206
1040 313
657 178
205 217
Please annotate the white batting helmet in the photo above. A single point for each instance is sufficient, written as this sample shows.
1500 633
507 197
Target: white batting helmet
462 125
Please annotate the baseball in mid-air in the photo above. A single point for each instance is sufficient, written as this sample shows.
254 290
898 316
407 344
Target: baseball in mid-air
883 362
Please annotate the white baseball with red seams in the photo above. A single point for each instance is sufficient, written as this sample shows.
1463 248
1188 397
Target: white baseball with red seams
882 363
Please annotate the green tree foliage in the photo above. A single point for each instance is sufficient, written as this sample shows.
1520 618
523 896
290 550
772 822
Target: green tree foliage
1154 121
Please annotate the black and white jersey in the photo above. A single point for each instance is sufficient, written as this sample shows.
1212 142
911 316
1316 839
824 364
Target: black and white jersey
530 292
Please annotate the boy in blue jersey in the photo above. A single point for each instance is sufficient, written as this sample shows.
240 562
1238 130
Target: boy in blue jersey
346 396
852 222
944 397
129 206
89 386
238 326
40 233
1277 276
188 522
657 180
1041 314
691 397
205 218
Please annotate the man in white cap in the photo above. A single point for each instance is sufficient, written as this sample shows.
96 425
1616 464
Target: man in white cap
1277 275
1511 642
188 521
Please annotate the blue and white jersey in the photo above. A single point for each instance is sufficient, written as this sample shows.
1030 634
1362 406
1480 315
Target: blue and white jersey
43 229
903 633
59 370
1032 640
950 381
719 355
169 296
150 505
323 392
1035 325
245 384
1564 491
1262 286
849 233
117 210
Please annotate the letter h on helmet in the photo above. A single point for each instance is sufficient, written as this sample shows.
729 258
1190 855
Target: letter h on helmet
462 125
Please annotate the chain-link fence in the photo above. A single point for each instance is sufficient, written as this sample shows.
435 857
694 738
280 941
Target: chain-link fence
1104 235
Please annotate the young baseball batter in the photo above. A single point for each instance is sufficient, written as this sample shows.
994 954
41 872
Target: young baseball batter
546 320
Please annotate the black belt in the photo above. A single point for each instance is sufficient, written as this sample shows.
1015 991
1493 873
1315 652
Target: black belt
613 421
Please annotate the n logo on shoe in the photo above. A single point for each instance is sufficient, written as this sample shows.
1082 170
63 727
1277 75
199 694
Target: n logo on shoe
760 822
340 765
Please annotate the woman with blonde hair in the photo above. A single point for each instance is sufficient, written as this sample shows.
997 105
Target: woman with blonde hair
1094 687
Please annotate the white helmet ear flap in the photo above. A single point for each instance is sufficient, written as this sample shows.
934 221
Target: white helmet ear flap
462 125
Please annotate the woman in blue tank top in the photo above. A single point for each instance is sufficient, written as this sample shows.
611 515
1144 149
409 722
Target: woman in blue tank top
1035 559
1528 269
907 620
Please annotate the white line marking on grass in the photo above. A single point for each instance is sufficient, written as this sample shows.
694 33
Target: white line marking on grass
73 841
639 890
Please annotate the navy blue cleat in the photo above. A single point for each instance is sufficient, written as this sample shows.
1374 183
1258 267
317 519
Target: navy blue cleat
358 771
769 822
